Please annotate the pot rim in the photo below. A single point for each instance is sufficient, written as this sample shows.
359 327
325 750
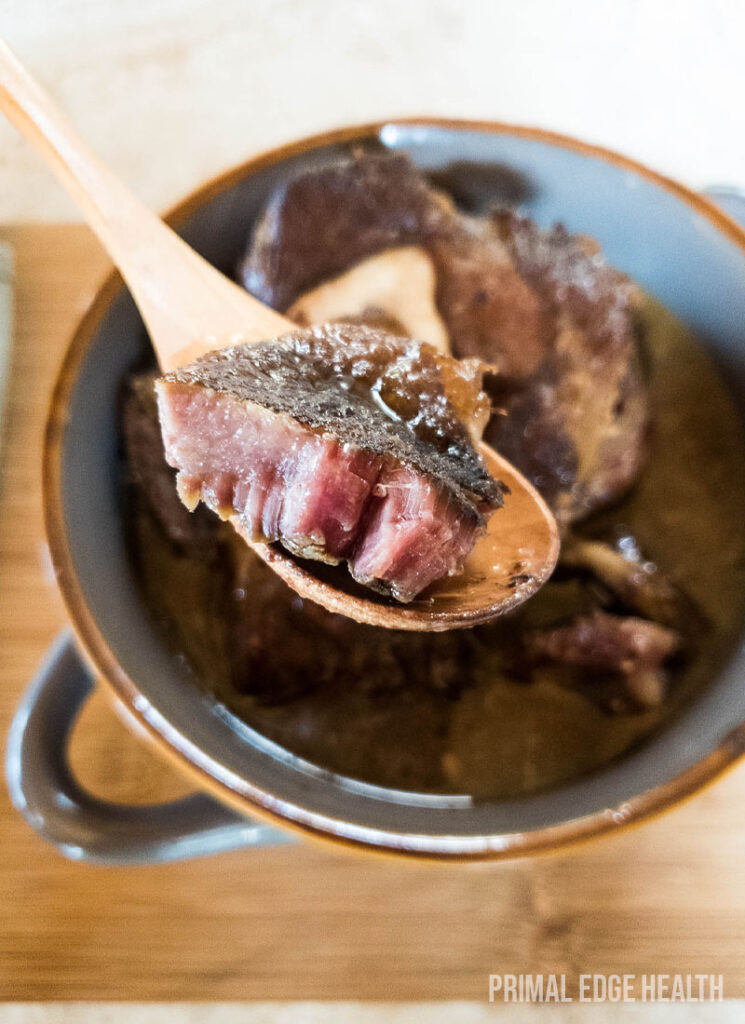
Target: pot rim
187 755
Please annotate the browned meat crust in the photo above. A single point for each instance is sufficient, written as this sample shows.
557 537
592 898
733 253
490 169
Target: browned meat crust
381 394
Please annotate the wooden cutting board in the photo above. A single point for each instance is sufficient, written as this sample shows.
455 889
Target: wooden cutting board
302 921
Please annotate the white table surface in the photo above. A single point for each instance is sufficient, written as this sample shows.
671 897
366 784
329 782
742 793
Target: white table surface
172 91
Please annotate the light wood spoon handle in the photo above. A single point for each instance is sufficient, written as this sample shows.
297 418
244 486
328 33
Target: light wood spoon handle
188 306
190 309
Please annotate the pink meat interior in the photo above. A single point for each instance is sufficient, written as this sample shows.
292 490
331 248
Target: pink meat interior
398 530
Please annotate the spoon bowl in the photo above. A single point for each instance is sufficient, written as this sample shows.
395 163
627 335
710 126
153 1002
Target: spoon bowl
191 309
508 564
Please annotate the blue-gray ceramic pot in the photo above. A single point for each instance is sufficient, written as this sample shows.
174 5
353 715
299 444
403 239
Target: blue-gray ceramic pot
674 243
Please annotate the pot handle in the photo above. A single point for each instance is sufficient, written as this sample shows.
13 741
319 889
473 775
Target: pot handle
82 827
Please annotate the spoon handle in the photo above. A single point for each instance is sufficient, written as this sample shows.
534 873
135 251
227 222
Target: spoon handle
188 306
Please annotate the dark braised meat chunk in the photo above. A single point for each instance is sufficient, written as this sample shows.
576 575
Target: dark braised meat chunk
544 307
324 221
583 416
627 621
342 443
630 648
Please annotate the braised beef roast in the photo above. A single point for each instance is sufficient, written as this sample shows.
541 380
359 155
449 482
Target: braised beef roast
543 306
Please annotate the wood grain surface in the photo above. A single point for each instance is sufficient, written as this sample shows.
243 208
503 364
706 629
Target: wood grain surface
302 921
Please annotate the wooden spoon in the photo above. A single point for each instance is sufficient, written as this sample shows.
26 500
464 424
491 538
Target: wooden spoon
190 309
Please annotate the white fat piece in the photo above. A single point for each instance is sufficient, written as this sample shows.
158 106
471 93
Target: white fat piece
399 282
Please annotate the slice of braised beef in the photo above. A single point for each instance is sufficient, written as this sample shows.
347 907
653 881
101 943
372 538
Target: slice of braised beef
342 443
